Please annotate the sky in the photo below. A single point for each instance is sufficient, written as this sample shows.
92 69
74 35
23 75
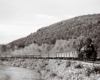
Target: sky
19 18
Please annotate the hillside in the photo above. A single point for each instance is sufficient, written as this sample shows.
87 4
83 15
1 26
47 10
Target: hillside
74 28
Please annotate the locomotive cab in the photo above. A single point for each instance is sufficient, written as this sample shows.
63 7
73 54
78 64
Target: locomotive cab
86 54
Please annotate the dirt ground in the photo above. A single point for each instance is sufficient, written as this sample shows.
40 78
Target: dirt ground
14 73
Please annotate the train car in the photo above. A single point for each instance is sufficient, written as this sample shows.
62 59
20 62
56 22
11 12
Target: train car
45 56
5 57
68 55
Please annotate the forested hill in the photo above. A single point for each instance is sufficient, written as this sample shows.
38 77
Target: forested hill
86 25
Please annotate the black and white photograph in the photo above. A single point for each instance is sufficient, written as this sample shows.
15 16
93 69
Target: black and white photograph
49 39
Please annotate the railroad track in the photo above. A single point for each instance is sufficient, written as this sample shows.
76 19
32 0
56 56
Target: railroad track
61 58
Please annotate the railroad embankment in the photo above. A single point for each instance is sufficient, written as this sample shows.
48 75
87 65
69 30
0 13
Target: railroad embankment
59 69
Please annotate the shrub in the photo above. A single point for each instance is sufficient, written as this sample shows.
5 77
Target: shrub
58 63
79 66
48 70
53 75
43 66
95 69
88 72
60 77
68 63
46 64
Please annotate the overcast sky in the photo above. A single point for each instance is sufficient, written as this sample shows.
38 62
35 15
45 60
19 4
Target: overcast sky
19 18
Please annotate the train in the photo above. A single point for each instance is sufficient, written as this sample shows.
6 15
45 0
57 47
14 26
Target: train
72 55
